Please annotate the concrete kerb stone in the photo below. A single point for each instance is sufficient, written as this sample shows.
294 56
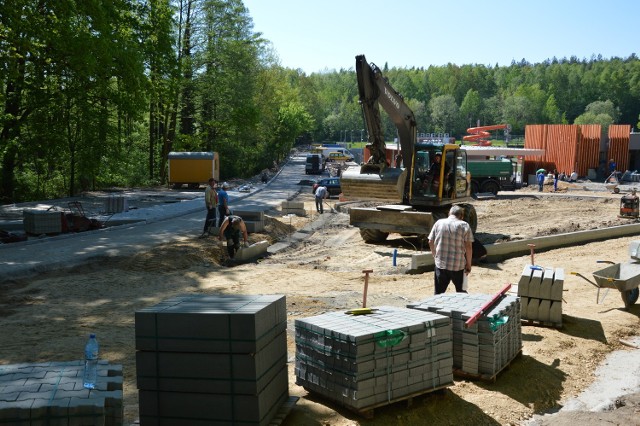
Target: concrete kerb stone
196 208
423 262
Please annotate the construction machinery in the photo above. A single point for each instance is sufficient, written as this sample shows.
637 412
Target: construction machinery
417 193
492 175
629 206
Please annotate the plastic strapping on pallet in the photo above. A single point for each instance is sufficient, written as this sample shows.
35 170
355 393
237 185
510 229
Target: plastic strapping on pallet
55 388
496 321
390 338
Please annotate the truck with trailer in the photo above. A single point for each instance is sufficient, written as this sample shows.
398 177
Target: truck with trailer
192 168
410 196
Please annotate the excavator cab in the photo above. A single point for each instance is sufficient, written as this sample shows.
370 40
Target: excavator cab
439 175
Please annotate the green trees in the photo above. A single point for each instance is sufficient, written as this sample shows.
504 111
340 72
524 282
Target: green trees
73 74
603 113
96 93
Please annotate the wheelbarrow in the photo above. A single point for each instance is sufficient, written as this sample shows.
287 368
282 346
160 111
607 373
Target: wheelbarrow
625 277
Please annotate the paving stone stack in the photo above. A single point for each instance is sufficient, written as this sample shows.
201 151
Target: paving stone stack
253 217
212 360
51 393
363 361
491 343
38 222
115 204
293 207
540 290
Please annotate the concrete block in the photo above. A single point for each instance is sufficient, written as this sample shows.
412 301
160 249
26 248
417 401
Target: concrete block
253 251
535 283
523 283
558 285
251 213
115 204
210 408
547 282
292 205
422 261
532 309
42 221
555 312
211 323
254 226
524 305
543 310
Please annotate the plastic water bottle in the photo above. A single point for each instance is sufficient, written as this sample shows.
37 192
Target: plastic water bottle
90 375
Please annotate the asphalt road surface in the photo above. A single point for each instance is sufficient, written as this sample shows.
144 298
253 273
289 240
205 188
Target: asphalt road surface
164 225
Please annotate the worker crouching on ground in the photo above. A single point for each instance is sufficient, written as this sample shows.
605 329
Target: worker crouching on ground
450 241
230 229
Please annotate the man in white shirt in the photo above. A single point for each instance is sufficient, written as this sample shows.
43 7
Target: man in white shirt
321 194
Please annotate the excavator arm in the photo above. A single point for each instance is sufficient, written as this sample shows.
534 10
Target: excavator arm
375 91
378 180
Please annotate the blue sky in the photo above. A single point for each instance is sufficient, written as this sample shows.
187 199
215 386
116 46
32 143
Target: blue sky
321 35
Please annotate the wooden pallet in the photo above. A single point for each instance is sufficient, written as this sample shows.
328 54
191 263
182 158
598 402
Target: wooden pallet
483 376
536 323
368 412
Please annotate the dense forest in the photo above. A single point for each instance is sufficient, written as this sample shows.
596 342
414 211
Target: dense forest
96 93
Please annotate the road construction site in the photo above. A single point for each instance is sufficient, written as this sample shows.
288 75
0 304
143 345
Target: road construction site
67 286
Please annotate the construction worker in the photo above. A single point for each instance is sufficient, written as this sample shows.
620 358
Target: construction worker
211 203
320 195
230 229
223 201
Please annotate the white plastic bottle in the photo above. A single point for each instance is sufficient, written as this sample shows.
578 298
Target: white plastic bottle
90 375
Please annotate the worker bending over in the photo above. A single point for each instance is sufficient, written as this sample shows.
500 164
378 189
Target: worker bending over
231 228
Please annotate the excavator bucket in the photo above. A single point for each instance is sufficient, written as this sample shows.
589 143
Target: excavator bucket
372 183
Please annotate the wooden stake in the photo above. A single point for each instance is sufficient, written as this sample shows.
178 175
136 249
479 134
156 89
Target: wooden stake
532 248
366 273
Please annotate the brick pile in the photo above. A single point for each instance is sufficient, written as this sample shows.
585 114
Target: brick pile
51 393
491 343
253 217
540 291
212 359
363 361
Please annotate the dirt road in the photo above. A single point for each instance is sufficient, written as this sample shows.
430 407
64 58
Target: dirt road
48 317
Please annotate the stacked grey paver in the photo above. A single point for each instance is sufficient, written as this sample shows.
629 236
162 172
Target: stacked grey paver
38 222
253 217
491 343
52 393
364 361
540 291
212 360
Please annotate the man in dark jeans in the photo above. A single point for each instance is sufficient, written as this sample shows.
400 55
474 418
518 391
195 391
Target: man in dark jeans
450 241
230 229
211 203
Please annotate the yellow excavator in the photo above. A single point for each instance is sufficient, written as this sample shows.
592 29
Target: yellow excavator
413 192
